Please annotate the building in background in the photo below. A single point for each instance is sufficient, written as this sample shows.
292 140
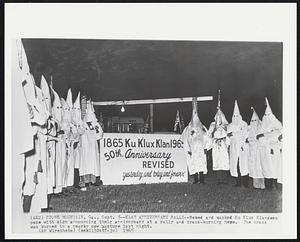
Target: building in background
117 124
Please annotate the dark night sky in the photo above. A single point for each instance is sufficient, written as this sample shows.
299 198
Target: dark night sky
142 69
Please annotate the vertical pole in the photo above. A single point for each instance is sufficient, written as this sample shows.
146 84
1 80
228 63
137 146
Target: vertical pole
151 118
83 106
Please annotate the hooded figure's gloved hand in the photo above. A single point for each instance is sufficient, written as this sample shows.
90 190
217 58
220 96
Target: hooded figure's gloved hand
230 134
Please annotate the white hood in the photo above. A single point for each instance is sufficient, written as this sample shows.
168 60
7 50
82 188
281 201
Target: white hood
35 103
69 99
56 109
76 111
42 101
89 112
46 93
195 125
269 121
236 116
66 113
255 123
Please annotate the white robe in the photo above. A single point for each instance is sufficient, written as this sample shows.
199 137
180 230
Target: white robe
68 165
78 132
271 163
90 160
40 197
31 166
60 159
254 162
51 156
20 143
279 165
238 151
220 157
68 171
197 161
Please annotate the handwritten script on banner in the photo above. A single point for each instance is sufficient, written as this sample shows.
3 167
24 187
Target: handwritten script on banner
142 158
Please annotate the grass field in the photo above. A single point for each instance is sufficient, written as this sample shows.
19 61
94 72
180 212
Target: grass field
172 197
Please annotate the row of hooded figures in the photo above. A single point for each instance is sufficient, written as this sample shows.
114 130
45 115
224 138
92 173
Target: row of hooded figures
65 144
253 150
58 145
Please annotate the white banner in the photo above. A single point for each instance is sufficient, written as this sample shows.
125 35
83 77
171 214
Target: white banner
142 158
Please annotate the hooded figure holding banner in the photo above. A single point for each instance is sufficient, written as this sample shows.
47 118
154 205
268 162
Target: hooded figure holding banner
269 143
220 142
254 162
238 151
194 141
89 167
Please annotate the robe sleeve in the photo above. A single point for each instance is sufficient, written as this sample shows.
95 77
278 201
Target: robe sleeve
276 131
229 128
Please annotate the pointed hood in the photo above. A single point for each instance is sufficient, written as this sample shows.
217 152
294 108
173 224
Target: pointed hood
236 110
23 63
29 89
66 114
89 112
94 118
220 118
236 116
77 101
63 103
269 121
46 92
196 129
56 109
254 125
69 99
254 115
42 101
76 113
34 99
195 121
268 108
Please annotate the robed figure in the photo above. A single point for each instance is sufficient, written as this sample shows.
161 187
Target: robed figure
22 144
78 130
220 142
270 148
89 166
254 162
195 142
238 151
60 151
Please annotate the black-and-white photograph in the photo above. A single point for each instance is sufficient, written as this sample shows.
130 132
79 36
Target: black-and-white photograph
149 126
150 121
